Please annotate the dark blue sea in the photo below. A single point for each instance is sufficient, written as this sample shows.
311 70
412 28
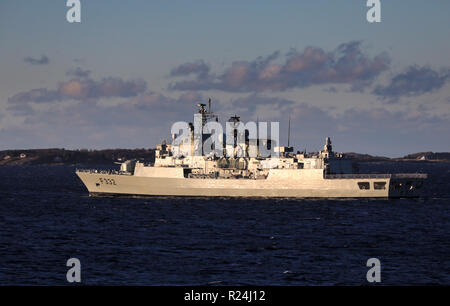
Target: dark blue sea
47 217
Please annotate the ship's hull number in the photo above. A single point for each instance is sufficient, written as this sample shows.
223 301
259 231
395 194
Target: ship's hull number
107 181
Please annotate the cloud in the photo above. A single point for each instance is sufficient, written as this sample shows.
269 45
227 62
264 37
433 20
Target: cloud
256 105
145 119
78 72
165 107
37 95
191 97
374 131
331 89
198 68
414 81
82 89
347 64
37 61
139 121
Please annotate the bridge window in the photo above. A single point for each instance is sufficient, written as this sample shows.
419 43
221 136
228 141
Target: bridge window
379 185
364 185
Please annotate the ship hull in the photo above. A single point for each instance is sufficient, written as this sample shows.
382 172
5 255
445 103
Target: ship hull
128 185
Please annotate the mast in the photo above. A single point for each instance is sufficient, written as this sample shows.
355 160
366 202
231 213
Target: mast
289 132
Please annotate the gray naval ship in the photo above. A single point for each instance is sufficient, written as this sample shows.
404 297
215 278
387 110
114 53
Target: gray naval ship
324 174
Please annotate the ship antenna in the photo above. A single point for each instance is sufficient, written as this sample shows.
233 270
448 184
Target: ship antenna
257 129
209 105
289 132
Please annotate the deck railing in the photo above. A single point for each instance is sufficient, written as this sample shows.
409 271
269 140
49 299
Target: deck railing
410 175
356 176
375 176
97 171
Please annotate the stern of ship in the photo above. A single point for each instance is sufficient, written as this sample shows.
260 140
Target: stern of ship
407 185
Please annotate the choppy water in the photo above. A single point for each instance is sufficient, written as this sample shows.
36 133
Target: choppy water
46 218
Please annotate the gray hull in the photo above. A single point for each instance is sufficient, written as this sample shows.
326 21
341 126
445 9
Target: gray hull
314 186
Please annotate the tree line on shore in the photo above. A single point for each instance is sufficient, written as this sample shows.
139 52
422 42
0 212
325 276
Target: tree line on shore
108 156
79 156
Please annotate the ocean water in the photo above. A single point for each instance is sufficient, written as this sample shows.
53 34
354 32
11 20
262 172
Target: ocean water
47 217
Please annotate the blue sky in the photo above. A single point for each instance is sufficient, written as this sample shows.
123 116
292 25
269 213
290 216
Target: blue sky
131 68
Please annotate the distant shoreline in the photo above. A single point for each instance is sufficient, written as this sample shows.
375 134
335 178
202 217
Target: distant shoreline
56 156
72 157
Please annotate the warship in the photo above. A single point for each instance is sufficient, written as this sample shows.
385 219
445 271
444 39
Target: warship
182 169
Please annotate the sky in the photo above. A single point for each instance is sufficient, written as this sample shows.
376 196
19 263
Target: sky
130 69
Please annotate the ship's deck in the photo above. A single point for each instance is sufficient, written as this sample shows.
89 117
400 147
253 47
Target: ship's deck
326 176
